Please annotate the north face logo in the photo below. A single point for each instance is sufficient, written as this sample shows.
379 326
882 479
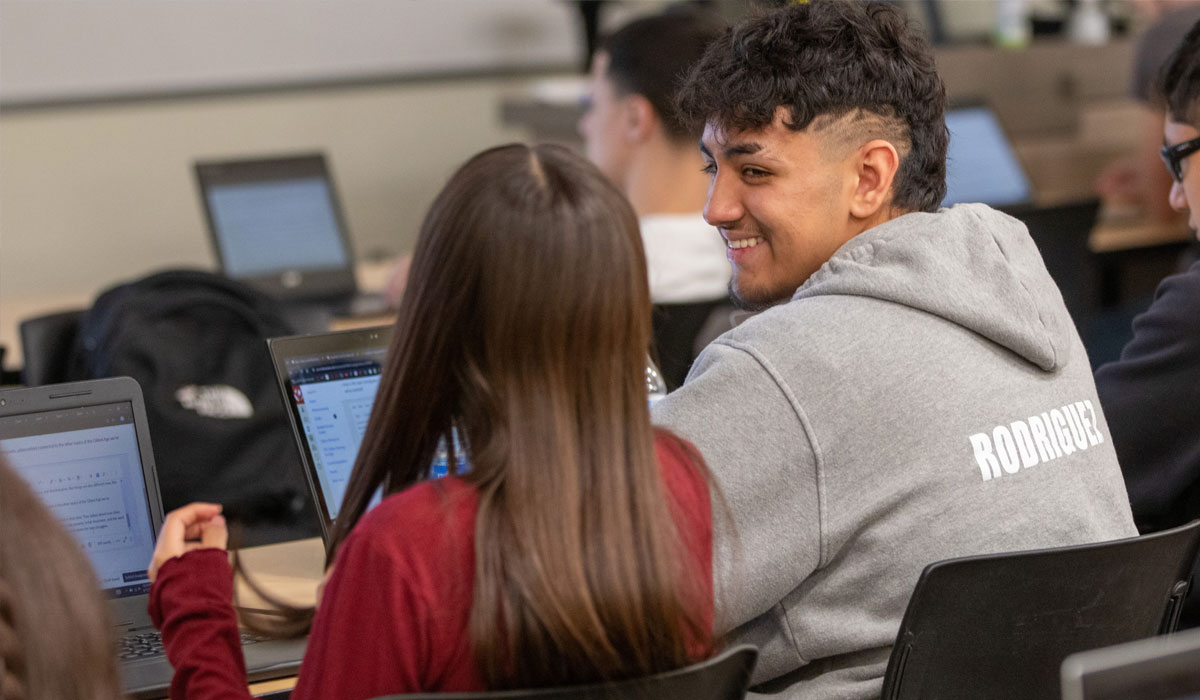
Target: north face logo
216 401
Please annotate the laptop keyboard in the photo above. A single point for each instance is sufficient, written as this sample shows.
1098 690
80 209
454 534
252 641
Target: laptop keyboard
149 644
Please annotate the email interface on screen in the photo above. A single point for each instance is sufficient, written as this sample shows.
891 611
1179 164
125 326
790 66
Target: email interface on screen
85 464
333 394
267 226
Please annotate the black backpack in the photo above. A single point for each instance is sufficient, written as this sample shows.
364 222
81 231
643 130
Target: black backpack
196 343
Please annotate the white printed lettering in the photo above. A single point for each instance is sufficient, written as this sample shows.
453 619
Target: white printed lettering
1024 441
1053 435
1006 450
1044 446
1059 421
1099 433
988 465
1087 423
1076 425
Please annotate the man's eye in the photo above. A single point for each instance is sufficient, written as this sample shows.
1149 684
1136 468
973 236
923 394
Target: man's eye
709 169
754 173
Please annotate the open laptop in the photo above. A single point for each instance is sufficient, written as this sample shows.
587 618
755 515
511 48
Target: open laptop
276 224
1159 668
981 164
328 381
85 449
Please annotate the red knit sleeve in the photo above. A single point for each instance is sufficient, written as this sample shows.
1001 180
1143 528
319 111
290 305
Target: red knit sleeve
369 637
687 486
191 603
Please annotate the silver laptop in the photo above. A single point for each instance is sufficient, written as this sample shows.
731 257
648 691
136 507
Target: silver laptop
276 224
1159 668
85 449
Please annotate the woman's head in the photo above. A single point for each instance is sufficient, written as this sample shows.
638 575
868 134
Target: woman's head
525 326
55 634
528 278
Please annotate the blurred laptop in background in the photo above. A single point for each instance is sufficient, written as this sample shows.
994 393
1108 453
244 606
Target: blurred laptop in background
277 225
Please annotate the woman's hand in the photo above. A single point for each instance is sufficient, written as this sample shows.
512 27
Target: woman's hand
194 526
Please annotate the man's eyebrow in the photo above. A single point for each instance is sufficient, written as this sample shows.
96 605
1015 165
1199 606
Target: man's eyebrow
741 149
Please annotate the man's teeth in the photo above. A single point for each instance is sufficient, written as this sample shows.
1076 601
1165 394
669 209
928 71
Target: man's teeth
745 242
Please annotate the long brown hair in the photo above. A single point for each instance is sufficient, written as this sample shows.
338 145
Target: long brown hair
56 638
525 326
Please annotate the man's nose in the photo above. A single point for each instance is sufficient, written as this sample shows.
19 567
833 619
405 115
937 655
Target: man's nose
724 205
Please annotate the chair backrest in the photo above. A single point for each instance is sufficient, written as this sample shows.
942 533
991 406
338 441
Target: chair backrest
999 626
726 676
46 343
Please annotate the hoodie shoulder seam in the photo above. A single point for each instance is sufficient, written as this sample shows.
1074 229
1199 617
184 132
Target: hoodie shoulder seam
809 434
1029 298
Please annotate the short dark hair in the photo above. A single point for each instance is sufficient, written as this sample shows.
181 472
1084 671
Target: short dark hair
1181 80
829 59
651 57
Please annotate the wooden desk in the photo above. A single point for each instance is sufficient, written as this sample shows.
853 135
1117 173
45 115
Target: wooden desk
1111 237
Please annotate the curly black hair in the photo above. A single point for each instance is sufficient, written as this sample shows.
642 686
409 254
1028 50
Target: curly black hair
826 60
1180 80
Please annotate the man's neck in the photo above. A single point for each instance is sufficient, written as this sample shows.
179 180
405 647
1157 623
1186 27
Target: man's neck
666 178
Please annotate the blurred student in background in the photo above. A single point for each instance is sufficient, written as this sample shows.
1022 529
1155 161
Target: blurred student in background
632 132
578 546
56 639
1151 396
1138 180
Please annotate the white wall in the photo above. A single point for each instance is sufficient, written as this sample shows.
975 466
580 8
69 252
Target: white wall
67 49
90 195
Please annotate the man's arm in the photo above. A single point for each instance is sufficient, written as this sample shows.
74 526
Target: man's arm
756 442
1150 396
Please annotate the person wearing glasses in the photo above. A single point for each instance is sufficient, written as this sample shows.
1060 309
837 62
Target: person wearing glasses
1151 395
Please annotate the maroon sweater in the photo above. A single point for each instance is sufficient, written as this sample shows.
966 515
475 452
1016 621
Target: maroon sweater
394 614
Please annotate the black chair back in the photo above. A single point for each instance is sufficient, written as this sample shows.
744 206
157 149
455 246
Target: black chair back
726 676
999 626
46 343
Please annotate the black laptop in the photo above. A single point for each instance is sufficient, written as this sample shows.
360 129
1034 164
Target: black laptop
85 449
276 224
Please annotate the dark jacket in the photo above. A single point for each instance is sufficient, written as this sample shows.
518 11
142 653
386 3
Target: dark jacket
1151 397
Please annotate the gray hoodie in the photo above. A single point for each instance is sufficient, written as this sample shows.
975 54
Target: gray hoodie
924 395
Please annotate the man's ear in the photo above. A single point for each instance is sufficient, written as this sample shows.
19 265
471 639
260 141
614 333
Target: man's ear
640 119
876 163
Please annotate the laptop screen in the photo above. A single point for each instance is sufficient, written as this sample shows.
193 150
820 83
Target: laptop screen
85 464
981 165
329 381
265 226
332 396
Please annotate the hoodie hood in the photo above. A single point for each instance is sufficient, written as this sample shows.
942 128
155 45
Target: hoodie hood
971 265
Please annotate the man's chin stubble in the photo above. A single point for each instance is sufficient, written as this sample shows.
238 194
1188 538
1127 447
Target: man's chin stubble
752 304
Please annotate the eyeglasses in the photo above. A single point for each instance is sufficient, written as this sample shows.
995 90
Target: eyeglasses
1173 156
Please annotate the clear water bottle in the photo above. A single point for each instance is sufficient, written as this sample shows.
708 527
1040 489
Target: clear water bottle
441 457
656 388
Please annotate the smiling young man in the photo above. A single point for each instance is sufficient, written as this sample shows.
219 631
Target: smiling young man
1152 393
914 388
